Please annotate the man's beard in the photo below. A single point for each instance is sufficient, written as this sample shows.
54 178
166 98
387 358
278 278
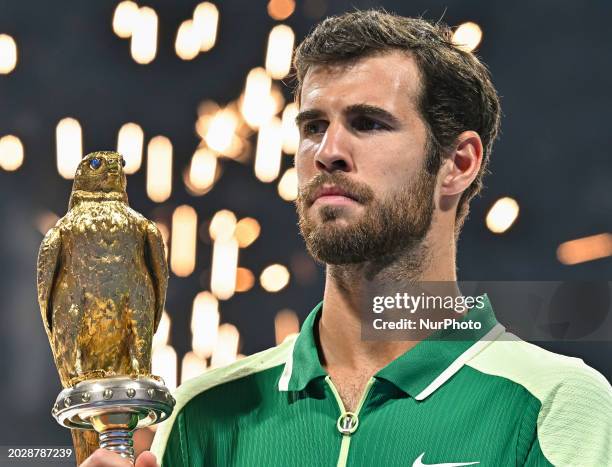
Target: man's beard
396 223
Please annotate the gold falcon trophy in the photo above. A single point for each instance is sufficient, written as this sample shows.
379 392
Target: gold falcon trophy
102 279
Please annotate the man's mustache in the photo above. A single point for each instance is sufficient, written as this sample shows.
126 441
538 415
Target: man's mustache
360 192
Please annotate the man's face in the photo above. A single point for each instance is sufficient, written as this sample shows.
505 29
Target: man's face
363 189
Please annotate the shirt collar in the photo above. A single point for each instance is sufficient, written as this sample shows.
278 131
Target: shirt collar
418 372
303 364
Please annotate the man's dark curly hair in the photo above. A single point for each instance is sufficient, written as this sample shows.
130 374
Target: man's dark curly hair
456 91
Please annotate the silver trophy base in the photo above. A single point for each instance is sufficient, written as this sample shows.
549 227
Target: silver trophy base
114 407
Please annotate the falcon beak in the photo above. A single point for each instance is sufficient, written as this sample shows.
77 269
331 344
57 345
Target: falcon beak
114 168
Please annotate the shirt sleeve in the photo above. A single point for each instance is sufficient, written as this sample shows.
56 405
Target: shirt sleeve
574 425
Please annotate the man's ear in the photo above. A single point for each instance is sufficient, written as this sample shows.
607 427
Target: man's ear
462 164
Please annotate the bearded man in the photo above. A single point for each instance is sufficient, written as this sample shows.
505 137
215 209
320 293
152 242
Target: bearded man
396 127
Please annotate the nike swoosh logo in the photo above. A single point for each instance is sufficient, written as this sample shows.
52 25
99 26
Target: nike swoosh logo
419 463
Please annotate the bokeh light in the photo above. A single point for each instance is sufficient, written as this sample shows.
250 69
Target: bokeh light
130 141
8 54
274 278
269 150
247 230
143 45
69 146
245 279
226 348
291 132
502 215
467 36
164 364
187 43
183 240
281 9
125 18
585 249
204 324
280 51
286 324
288 185
162 335
11 153
206 23
159 169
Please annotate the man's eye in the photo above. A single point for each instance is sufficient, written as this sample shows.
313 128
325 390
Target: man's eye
367 124
314 127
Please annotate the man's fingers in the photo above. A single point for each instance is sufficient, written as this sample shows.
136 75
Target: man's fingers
146 459
104 458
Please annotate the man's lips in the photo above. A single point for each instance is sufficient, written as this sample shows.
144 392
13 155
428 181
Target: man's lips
333 194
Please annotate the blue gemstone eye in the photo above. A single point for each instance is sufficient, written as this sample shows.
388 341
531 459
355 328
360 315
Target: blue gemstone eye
123 162
95 163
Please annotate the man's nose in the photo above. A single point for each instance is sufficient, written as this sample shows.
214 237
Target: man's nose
334 151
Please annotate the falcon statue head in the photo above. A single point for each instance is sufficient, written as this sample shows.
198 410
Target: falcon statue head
101 172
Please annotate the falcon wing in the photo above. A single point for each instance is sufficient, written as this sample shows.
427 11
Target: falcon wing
155 258
48 262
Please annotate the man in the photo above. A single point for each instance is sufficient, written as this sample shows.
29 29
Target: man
397 125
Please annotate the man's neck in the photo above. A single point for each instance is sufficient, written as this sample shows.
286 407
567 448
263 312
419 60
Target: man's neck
348 293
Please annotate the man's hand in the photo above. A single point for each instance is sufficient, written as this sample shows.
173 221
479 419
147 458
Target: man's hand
104 458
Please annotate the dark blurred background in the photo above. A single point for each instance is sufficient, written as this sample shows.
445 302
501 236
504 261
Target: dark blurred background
550 61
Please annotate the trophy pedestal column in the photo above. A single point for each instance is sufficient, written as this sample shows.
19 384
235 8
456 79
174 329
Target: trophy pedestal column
115 430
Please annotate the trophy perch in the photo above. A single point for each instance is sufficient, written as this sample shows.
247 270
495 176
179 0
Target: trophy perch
102 277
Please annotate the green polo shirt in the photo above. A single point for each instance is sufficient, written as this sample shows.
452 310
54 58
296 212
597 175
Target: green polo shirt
483 398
